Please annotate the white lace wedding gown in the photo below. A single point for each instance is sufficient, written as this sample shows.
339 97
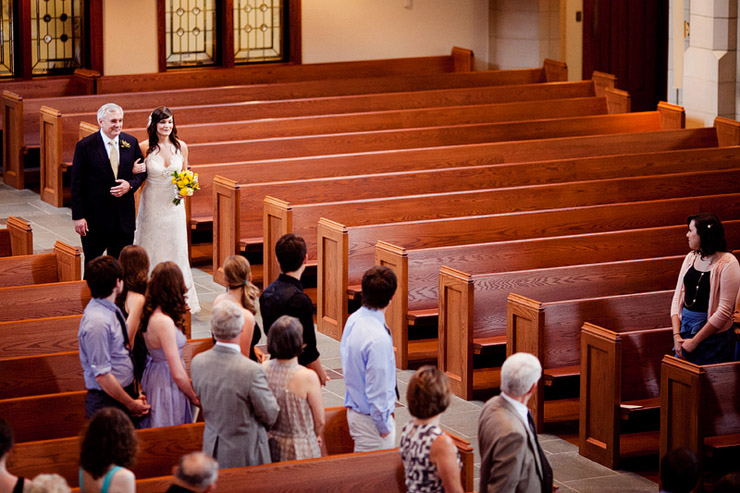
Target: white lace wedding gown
160 224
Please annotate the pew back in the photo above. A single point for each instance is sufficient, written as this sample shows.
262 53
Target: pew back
43 300
64 264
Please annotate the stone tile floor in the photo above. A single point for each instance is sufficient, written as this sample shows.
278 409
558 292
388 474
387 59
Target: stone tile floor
573 473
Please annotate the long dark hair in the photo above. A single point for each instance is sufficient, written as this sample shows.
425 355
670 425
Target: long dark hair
159 114
135 265
166 290
711 234
108 439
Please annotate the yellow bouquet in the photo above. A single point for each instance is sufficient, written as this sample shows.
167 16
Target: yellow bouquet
186 182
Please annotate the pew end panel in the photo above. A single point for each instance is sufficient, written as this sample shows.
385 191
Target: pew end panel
525 320
333 279
555 70
20 236
681 409
455 337
728 131
601 357
671 116
602 81
617 101
50 136
69 262
463 59
13 139
226 224
276 221
396 259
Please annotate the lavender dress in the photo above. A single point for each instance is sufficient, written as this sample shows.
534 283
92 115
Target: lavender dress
170 406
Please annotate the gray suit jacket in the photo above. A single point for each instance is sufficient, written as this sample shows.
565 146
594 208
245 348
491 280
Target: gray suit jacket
509 458
238 407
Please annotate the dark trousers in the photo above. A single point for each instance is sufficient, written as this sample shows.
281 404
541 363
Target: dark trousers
93 245
96 400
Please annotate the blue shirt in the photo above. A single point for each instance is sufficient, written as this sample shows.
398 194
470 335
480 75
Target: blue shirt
369 367
101 343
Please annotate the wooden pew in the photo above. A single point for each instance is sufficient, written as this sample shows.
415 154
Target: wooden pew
472 307
161 448
699 406
281 217
345 252
417 272
21 116
58 146
16 238
552 331
38 336
62 265
61 372
43 300
620 370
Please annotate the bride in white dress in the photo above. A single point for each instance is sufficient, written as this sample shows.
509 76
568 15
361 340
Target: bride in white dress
160 224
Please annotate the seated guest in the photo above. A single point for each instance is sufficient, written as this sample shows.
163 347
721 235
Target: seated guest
679 471
297 432
702 306
165 381
238 406
430 457
730 483
8 482
511 456
49 483
196 472
240 290
285 296
107 453
105 352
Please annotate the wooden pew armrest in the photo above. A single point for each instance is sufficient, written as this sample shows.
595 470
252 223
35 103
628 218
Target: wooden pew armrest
201 223
482 343
65 164
354 291
422 317
563 372
722 441
248 244
628 408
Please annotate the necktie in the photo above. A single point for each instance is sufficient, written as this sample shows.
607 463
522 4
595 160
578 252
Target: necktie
546 469
113 158
387 329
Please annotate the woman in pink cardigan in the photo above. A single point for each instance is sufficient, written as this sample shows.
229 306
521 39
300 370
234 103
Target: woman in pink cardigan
701 312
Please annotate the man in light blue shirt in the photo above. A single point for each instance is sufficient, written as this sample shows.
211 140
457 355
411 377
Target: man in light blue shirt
369 365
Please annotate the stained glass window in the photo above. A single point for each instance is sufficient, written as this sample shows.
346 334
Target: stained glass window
56 34
6 38
258 30
191 32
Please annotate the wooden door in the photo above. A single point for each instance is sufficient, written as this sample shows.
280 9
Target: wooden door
628 38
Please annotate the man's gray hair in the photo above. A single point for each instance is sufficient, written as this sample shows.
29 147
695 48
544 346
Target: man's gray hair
227 320
108 108
519 372
198 470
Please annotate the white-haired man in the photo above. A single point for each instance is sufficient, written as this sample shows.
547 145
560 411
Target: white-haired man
103 186
196 473
238 406
511 457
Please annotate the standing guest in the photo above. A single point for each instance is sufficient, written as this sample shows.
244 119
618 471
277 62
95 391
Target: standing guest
701 311
285 296
103 186
238 406
297 432
161 226
679 471
238 277
165 382
196 473
8 482
511 456
107 453
430 457
135 267
369 365
105 352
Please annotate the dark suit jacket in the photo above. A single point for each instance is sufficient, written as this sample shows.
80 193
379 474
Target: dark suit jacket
509 458
92 179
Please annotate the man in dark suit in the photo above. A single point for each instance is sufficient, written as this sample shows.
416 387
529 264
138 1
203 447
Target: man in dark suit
511 457
103 186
